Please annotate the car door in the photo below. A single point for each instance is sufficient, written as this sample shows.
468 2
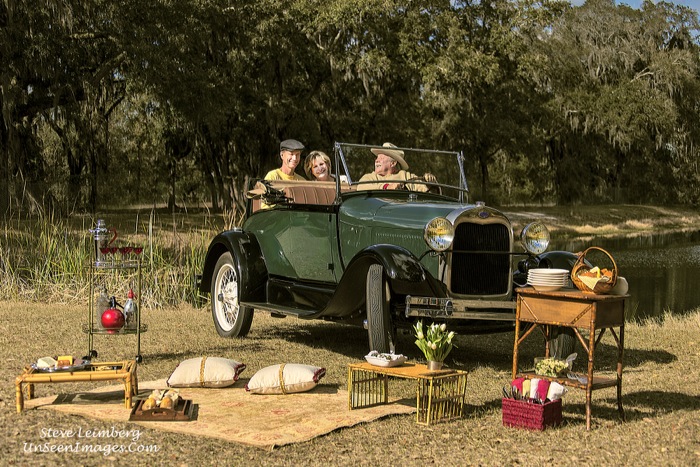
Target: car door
296 243
307 244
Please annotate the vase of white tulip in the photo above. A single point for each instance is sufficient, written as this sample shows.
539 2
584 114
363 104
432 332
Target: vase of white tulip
435 343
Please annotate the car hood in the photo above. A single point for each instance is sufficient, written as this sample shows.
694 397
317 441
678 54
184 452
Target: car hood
409 214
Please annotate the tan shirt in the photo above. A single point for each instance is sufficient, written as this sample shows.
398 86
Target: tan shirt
398 177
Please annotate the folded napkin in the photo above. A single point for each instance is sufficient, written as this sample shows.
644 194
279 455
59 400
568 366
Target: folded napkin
46 362
542 389
534 382
518 384
556 391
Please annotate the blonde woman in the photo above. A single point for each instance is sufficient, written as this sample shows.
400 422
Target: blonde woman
318 167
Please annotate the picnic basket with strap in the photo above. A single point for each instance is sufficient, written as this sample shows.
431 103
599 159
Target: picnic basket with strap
584 265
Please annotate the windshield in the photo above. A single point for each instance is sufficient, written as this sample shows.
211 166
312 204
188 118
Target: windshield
355 160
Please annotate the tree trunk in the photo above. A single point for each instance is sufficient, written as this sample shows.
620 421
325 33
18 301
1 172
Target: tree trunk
4 170
172 203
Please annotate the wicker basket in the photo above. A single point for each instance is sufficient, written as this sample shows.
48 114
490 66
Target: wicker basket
582 265
524 414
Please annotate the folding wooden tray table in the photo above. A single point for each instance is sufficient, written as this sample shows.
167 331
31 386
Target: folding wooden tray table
102 371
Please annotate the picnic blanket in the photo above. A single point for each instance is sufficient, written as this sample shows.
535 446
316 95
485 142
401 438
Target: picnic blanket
232 414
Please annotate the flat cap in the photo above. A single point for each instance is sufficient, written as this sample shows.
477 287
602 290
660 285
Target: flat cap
291 145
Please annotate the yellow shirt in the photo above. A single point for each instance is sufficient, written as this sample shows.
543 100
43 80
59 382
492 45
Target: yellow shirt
277 174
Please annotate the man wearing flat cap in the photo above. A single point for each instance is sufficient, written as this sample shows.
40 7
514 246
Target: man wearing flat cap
290 153
391 172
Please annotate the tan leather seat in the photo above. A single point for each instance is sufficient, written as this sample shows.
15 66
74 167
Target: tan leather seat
315 193
311 195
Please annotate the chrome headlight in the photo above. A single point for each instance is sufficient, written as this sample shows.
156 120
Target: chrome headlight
439 234
535 238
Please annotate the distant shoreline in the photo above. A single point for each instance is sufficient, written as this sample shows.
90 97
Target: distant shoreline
622 219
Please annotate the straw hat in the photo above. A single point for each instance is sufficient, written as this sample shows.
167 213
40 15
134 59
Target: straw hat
395 154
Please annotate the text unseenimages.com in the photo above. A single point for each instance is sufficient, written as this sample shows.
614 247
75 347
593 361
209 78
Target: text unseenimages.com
77 447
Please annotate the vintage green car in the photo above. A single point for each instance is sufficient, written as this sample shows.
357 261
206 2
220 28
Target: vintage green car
358 252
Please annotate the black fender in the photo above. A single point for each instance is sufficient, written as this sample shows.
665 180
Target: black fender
247 259
558 260
405 274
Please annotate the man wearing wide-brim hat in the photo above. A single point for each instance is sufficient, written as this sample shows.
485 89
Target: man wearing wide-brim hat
391 172
290 153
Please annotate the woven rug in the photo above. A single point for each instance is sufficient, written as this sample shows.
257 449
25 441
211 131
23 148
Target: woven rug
232 414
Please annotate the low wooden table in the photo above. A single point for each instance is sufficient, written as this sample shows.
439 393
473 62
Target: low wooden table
574 309
124 371
439 394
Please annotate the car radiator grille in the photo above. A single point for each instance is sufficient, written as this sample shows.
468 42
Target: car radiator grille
475 271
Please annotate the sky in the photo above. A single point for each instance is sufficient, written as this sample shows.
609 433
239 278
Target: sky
694 4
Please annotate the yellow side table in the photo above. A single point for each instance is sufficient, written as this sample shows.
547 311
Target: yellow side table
103 371
440 394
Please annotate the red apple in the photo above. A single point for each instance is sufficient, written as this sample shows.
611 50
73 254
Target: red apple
112 319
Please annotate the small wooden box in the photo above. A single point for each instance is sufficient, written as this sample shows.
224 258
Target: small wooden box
181 413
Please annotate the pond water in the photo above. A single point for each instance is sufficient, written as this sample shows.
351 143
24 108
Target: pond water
663 270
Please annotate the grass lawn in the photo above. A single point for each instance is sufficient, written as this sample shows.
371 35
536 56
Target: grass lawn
660 394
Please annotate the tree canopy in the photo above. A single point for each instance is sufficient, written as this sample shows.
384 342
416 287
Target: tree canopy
184 102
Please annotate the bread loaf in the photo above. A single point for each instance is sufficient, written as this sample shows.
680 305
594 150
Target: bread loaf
149 404
166 403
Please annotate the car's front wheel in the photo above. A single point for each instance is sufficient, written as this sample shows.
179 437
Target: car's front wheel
379 325
230 318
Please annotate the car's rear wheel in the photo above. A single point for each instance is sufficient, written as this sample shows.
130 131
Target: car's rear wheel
230 318
379 325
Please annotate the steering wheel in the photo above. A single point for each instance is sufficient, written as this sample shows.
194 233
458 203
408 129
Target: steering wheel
431 185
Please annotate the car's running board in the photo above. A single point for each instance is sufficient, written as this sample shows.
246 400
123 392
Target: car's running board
278 311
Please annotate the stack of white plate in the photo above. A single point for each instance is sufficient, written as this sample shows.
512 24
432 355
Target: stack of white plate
548 280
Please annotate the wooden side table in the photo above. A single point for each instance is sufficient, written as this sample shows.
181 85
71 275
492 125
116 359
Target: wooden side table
580 311
439 394
104 371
